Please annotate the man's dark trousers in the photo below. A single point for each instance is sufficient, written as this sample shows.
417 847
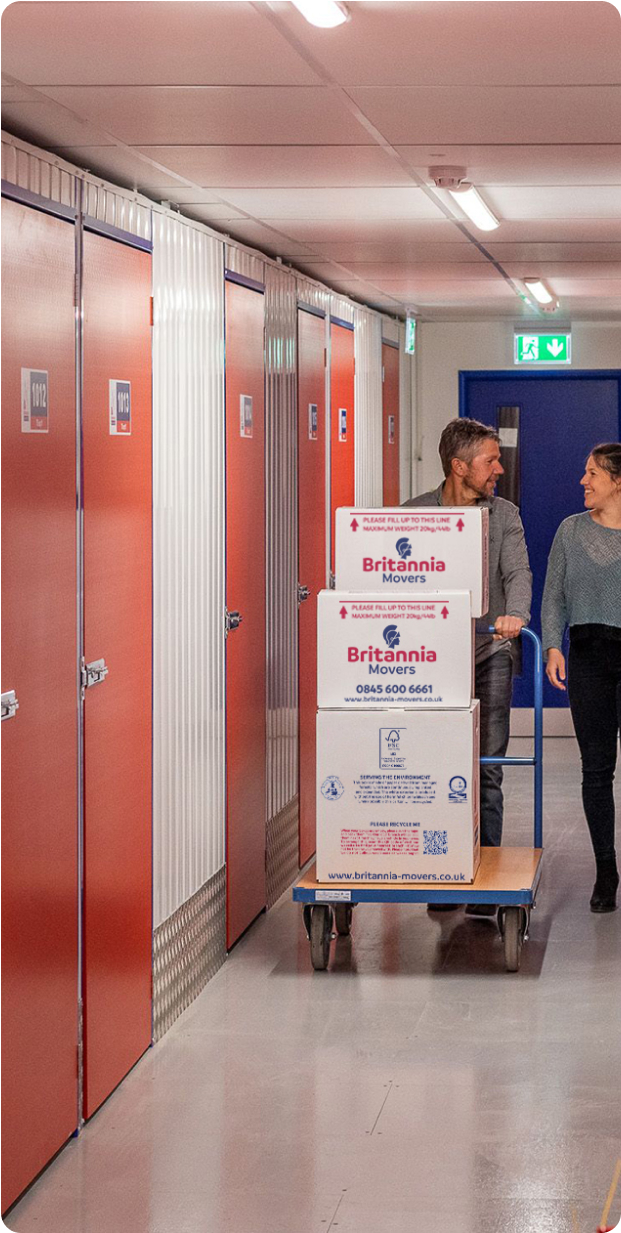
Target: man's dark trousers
493 684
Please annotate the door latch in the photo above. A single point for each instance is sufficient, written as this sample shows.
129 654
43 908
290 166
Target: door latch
93 673
232 620
303 593
10 705
332 581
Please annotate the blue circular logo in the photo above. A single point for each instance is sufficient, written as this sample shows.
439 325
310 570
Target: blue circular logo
332 788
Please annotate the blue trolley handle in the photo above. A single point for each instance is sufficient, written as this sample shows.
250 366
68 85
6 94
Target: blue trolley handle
537 760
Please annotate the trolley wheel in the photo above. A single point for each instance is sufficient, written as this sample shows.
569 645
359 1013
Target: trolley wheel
512 923
343 913
320 934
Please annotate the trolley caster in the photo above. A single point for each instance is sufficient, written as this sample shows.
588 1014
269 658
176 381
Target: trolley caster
343 913
513 926
320 935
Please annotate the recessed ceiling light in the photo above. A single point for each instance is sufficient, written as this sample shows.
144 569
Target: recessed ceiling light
323 13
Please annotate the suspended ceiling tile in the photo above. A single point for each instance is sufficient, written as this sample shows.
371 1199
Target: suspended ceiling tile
287 166
534 230
45 124
552 272
602 288
381 230
216 115
483 114
360 253
527 43
602 201
464 291
521 164
221 215
165 43
256 235
333 203
550 252
119 164
407 271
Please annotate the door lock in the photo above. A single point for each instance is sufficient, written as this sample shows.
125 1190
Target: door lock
232 621
303 593
10 705
93 673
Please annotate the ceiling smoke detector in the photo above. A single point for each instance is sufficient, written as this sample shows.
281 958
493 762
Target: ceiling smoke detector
448 177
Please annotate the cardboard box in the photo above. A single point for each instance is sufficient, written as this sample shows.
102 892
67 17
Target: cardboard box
414 551
398 796
377 651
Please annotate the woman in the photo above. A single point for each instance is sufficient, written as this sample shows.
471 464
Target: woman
583 591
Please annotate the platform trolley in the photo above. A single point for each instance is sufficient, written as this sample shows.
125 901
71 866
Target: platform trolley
507 877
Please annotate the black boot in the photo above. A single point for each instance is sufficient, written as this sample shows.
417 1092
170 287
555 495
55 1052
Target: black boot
604 897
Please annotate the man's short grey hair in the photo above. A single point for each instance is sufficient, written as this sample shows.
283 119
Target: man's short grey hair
462 438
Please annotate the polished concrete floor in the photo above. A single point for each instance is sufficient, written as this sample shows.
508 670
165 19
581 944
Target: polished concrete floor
415 1086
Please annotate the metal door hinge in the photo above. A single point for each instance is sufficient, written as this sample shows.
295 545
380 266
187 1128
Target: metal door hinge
9 704
232 620
303 593
93 673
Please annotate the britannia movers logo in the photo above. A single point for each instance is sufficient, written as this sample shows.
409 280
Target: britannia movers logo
392 636
404 569
373 655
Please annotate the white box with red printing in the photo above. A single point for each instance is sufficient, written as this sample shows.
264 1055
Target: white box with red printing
414 550
377 651
398 796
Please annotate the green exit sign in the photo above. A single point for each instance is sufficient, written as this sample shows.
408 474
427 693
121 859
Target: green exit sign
542 349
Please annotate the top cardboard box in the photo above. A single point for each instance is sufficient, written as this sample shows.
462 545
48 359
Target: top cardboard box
414 551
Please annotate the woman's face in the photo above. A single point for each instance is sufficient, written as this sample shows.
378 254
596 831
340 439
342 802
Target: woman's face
599 487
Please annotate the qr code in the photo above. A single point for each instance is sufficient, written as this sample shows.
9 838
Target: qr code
435 843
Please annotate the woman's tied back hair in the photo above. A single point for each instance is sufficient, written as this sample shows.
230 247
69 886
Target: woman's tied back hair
461 439
608 457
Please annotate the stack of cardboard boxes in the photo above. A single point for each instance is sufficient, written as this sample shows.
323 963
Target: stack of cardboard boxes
397 727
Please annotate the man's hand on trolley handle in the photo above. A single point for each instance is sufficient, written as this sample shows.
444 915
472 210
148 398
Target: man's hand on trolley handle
507 627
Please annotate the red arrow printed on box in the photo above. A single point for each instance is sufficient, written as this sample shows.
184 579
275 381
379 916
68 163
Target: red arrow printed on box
343 613
445 612
460 524
354 525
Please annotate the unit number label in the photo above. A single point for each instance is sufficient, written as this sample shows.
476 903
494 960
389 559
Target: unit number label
120 408
342 423
35 404
312 421
245 415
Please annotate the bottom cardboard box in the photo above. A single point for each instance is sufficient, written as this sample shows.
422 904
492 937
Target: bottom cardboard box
398 796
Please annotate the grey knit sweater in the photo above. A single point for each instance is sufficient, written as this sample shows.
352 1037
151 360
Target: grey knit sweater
583 582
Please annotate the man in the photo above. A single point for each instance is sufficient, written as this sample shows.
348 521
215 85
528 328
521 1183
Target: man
470 455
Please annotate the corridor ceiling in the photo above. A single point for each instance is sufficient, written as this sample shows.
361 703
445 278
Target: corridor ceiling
315 145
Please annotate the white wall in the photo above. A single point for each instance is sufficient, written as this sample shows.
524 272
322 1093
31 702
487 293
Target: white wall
446 348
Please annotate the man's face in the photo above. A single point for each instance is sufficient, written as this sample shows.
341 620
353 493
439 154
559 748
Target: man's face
481 473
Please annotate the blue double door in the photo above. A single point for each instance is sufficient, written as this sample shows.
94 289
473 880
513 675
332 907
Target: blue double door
549 423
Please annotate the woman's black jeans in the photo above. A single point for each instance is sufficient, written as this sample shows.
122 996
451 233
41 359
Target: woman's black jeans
594 683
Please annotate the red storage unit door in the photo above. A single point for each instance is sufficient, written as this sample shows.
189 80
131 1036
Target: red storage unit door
390 428
245 591
342 442
117 628
312 551
39 745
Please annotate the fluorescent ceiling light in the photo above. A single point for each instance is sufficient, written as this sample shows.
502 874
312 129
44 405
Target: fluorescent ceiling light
468 199
539 290
324 13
